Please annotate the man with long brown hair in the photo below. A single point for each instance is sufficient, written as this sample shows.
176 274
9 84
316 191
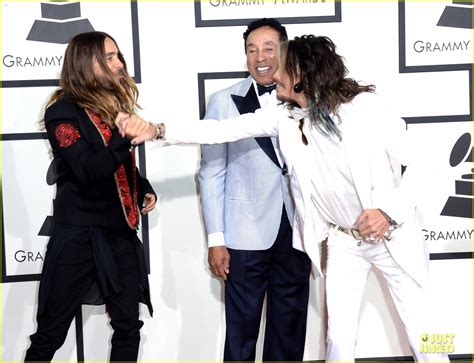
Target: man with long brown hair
94 254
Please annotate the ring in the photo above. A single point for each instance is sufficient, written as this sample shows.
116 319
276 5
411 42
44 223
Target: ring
370 239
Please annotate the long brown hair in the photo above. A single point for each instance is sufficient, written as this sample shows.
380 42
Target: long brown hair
323 78
104 95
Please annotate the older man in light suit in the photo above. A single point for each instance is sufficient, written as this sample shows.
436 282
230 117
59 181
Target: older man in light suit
247 208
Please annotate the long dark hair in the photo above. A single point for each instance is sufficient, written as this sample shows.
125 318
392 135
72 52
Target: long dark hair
104 95
323 78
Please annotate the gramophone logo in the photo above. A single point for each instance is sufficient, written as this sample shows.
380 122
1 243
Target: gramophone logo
461 204
457 16
33 49
60 22
435 37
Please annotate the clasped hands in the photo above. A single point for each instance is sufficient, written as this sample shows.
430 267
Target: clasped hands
371 224
135 128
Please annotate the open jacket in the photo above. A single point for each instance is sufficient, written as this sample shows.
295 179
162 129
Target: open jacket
241 183
99 196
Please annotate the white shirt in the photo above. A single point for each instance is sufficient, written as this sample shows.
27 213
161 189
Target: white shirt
335 194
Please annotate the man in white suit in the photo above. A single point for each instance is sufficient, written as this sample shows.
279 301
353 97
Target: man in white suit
247 208
347 168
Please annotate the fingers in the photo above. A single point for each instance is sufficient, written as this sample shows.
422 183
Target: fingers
149 203
219 271
361 218
219 261
137 140
121 121
126 124
121 116
143 132
372 223
133 126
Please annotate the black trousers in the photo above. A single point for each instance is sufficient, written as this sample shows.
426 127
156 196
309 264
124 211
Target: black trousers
282 273
74 274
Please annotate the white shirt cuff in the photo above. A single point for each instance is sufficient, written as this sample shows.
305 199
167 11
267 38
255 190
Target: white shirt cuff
215 239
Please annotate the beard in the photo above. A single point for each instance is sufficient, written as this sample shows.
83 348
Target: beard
111 82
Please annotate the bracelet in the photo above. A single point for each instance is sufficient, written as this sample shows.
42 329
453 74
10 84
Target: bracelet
159 131
393 224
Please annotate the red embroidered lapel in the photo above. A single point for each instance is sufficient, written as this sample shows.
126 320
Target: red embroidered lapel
128 198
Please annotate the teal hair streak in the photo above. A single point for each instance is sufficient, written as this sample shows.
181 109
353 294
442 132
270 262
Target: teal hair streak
323 120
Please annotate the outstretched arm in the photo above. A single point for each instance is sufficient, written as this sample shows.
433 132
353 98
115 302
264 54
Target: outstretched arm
261 123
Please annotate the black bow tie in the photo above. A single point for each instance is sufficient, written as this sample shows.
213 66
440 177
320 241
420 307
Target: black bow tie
262 89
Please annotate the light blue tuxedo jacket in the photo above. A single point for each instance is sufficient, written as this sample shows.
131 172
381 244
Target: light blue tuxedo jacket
242 188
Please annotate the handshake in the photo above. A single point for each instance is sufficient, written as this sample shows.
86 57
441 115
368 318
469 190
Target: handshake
137 129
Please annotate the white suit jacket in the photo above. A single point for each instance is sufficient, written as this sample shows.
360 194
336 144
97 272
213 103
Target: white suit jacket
377 145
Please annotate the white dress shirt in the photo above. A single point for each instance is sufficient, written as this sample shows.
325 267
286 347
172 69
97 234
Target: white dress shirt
335 195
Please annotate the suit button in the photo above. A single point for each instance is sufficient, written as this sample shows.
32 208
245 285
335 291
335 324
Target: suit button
284 170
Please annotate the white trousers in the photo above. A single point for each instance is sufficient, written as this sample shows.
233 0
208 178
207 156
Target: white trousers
348 267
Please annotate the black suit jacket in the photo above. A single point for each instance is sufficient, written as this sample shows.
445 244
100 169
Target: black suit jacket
87 182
